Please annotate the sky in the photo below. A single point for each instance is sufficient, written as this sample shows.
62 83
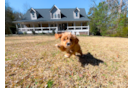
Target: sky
23 5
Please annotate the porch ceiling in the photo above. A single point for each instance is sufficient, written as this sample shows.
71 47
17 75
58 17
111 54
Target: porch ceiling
49 22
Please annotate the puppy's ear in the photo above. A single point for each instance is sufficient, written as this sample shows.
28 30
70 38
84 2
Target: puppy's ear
58 36
76 40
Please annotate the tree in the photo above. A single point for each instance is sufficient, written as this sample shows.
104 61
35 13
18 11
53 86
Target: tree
93 27
118 9
18 15
109 18
10 16
120 6
98 18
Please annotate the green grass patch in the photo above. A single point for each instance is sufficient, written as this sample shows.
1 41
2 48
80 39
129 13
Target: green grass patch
110 82
36 83
49 84
7 59
105 63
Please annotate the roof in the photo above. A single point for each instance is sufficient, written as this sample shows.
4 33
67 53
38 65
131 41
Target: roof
66 15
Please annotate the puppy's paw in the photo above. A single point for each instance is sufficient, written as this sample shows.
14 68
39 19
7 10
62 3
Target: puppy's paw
57 45
66 56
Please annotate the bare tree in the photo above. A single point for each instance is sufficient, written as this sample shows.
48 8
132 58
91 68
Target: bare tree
118 5
26 6
10 15
18 15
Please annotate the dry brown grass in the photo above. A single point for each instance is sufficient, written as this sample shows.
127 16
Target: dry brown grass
34 61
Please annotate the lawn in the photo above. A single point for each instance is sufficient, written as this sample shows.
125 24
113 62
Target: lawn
34 61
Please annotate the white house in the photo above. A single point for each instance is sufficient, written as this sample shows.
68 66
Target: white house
60 20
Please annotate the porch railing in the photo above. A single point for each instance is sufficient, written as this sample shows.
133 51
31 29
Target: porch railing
77 29
72 29
38 29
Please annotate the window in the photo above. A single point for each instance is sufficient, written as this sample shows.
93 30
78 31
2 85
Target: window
76 14
55 15
33 14
58 15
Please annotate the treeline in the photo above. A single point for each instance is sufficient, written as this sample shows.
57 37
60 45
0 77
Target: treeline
11 15
109 18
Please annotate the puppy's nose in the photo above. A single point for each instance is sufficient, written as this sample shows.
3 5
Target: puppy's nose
68 44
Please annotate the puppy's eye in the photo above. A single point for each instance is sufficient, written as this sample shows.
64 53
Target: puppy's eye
64 39
70 39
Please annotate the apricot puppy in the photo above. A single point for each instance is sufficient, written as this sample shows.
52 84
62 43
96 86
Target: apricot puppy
69 44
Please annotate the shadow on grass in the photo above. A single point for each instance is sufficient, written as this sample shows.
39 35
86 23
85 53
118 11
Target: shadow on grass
89 59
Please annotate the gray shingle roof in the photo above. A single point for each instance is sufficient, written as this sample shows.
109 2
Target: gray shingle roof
67 15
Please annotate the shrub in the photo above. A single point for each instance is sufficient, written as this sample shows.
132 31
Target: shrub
53 32
8 31
43 33
33 32
25 33
13 30
125 32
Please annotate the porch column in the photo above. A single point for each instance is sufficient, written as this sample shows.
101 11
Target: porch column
33 28
57 26
74 25
49 27
81 25
24 25
88 30
20 26
41 27
16 28
67 25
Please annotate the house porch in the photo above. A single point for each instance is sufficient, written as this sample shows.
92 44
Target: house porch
43 27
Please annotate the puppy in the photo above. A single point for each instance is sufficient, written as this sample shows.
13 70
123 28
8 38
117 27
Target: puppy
69 44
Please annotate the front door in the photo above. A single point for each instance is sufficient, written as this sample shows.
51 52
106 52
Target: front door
60 27
64 26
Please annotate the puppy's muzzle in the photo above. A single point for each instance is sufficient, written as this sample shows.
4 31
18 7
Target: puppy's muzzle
68 44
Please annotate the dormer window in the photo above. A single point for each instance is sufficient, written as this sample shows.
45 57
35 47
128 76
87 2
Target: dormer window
33 14
55 13
76 13
58 15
